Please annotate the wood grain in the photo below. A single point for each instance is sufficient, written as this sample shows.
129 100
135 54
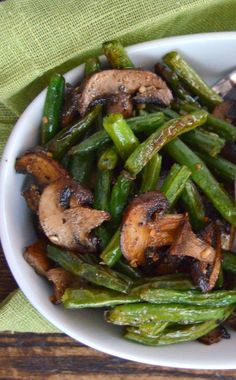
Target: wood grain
56 356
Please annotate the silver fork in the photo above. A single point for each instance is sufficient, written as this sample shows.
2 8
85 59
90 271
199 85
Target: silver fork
226 87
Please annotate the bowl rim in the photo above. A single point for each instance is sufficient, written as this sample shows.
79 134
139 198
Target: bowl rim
5 234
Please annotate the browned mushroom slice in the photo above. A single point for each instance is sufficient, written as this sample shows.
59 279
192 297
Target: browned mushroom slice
61 280
41 165
145 226
188 244
152 95
135 231
71 193
70 106
204 274
31 193
64 220
102 85
36 256
214 336
164 229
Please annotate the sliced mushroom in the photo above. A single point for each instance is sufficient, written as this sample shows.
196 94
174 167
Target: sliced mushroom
31 192
36 256
41 165
145 226
214 336
65 221
164 229
61 280
100 86
188 244
206 274
70 107
152 95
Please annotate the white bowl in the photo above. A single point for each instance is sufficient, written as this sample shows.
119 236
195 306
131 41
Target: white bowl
213 55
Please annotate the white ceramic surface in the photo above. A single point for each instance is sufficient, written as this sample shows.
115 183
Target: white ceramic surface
213 55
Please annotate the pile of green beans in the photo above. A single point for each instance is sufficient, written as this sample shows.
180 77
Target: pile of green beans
174 149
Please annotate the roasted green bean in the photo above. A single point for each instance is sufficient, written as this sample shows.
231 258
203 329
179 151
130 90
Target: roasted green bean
52 108
174 183
203 178
164 134
189 76
96 274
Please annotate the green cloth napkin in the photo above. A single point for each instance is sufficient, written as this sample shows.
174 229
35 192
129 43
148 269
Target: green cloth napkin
40 36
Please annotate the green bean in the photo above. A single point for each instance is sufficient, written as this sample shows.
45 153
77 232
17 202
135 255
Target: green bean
119 131
109 159
88 296
173 81
193 204
52 108
119 196
101 202
221 127
199 138
203 178
220 279
104 236
89 258
118 58
147 124
112 253
168 112
189 76
102 190
221 167
175 334
204 141
65 161
95 141
229 262
190 297
174 183
80 168
123 266
151 174
167 132
68 136
116 55
151 328
174 281
92 65
96 274
139 313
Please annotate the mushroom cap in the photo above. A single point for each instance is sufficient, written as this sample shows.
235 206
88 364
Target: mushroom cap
41 166
102 85
65 217
136 229
36 256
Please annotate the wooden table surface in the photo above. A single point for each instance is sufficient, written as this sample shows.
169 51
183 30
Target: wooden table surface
56 356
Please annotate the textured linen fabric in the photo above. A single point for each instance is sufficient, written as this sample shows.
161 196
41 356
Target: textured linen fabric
38 37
